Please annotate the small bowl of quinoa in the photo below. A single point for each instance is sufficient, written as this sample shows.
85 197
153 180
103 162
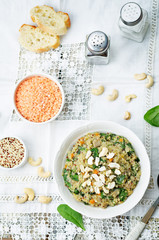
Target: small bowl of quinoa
13 153
38 98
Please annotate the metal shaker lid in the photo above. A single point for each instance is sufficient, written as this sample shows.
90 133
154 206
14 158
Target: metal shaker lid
97 42
131 14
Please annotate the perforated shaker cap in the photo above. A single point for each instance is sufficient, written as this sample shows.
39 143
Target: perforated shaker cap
97 42
131 14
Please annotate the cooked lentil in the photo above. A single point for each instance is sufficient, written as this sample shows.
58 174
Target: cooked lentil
38 99
11 152
103 174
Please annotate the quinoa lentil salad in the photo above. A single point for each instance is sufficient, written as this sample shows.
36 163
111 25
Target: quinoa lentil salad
102 169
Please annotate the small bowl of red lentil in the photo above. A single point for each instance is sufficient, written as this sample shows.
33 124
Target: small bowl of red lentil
38 98
13 153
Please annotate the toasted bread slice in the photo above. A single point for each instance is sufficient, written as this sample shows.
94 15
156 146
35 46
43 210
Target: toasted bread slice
66 18
34 39
48 20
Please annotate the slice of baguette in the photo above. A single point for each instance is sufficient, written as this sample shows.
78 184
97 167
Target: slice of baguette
66 18
48 20
34 39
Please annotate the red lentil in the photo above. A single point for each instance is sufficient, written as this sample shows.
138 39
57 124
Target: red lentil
11 152
38 99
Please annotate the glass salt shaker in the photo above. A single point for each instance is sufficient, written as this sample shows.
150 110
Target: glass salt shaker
97 48
133 21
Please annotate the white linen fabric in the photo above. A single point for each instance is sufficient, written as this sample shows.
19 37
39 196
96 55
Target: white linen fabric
126 58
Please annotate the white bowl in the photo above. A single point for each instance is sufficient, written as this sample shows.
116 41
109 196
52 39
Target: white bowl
95 212
43 75
24 158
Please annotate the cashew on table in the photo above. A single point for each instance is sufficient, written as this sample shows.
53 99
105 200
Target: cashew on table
22 199
130 97
42 173
140 76
97 91
30 193
33 162
150 81
114 95
45 199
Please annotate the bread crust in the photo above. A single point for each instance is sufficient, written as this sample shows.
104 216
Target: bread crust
21 28
68 21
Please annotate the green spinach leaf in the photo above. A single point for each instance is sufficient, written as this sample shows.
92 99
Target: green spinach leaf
76 191
69 214
95 152
120 179
74 177
103 195
137 160
80 149
123 194
111 198
152 116
122 144
103 134
67 184
130 146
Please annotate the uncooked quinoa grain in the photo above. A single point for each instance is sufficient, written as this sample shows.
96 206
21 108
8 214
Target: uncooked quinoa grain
11 152
38 99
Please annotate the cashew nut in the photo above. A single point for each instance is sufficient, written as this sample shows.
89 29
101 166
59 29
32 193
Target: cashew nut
30 193
127 115
129 97
21 199
97 91
113 96
150 81
140 76
42 173
96 143
45 199
34 163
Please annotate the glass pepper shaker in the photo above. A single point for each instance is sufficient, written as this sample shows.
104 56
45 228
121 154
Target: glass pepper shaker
97 48
133 21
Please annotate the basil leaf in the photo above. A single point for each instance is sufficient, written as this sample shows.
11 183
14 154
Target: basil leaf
95 152
120 179
69 214
152 116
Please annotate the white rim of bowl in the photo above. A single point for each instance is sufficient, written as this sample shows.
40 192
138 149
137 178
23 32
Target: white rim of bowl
49 77
127 208
24 158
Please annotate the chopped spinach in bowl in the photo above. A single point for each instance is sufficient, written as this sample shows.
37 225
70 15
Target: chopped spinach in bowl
102 169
